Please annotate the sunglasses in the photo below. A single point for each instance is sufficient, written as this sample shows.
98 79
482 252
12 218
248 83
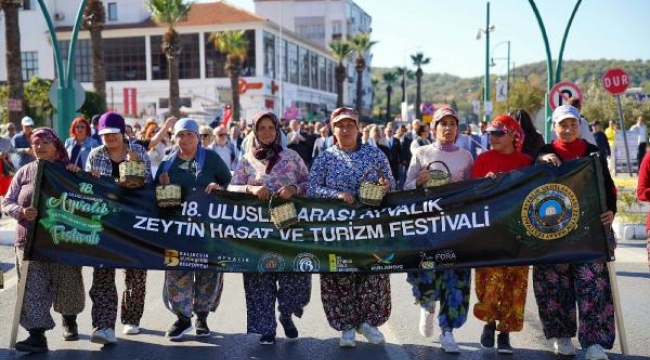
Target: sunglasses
80 126
205 135
497 133
223 134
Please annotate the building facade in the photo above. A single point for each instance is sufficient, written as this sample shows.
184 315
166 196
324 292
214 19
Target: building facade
296 83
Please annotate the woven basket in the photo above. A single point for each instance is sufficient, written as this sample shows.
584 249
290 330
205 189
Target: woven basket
132 174
438 177
168 195
282 215
371 193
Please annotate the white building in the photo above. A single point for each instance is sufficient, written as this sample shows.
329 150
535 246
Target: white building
323 21
135 63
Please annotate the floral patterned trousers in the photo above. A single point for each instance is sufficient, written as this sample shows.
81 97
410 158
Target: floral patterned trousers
351 299
192 291
292 291
104 296
501 293
559 287
49 285
450 287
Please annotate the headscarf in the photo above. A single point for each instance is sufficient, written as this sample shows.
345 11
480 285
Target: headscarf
269 152
47 134
508 125
186 124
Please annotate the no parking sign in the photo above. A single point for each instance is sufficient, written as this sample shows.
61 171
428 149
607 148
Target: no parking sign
561 92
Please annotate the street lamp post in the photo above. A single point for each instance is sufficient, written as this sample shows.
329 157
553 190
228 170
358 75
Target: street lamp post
508 72
486 31
405 101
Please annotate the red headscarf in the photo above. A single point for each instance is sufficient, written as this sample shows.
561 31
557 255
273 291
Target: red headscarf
47 134
508 125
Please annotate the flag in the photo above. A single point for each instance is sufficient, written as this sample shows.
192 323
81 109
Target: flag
502 91
227 116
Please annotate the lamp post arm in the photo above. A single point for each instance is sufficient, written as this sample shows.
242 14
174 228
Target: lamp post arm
558 71
55 42
73 43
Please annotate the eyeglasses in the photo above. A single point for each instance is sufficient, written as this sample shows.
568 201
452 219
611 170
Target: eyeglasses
497 133
82 126
205 135
223 134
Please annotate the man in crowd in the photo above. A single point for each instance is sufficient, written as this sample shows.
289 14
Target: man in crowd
601 139
641 132
22 145
223 146
394 146
299 141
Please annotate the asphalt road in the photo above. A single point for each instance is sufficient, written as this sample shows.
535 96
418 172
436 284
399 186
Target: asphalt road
318 341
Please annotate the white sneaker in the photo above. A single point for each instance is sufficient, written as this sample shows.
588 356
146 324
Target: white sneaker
564 346
103 336
347 338
427 319
595 352
130 329
448 343
371 333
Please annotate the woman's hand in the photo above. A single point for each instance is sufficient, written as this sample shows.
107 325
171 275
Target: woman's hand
95 173
384 183
29 213
73 168
131 155
422 178
550 158
163 179
262 192
346 197
607 217
286 192
211 186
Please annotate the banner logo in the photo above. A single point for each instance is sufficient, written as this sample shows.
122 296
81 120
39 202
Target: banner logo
550 212
426 261
341 264
306 262
271 262
172 258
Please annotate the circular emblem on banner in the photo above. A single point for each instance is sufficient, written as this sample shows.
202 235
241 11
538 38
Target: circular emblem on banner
271 262
306 262
550 212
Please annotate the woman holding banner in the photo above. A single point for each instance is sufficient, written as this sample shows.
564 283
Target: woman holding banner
48 285
265 169
351 301
187 292
501 291
104 161
450 287
559 287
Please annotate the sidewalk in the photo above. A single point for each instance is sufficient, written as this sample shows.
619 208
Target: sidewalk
7 225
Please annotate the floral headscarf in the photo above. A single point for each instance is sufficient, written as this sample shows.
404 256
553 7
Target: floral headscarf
270 152
508 125
47 134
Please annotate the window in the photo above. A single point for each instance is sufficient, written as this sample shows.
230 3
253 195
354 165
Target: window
292 50
82 59
314 71
322 72
337 28
29 62
27 5
304 66
269 55
112 11
215 61
189 61
125 59
330 76
283 59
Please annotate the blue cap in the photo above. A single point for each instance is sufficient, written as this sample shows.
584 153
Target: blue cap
186 124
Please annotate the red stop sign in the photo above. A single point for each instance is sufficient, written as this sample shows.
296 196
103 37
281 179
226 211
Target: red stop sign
615 81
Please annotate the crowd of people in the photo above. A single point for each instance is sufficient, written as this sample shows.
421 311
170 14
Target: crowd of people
267 157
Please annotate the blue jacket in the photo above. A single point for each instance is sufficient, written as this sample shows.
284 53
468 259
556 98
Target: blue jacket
87 145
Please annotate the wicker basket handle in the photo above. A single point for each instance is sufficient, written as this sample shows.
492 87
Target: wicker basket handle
441 162
376 170
272 202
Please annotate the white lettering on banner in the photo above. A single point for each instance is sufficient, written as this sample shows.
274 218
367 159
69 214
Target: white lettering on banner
296 234
238 232
441 223
169 226
348 233
320 215
237 213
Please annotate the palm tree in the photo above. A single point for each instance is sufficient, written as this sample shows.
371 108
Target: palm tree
418 61
235 46
94 20
361 44
14 64
170 12
389 79
340 51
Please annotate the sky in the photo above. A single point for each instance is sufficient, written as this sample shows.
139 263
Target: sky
445 31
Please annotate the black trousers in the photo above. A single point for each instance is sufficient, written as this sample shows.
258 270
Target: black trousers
640 154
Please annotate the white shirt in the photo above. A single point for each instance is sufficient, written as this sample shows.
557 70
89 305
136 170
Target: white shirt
641 133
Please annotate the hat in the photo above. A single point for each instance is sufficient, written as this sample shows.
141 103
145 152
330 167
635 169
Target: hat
508 125
186 124
565 112
445 111
27 121
111 123
343 113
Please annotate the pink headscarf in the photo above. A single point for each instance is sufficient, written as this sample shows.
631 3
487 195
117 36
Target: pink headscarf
47 134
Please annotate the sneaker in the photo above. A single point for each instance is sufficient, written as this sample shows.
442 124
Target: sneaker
487 337
595 352
503 343
35 343
180 327
267 339
70 329
202 329
347 338
448 343
564 346
130 329
372 334
290 330
427 320
103 336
